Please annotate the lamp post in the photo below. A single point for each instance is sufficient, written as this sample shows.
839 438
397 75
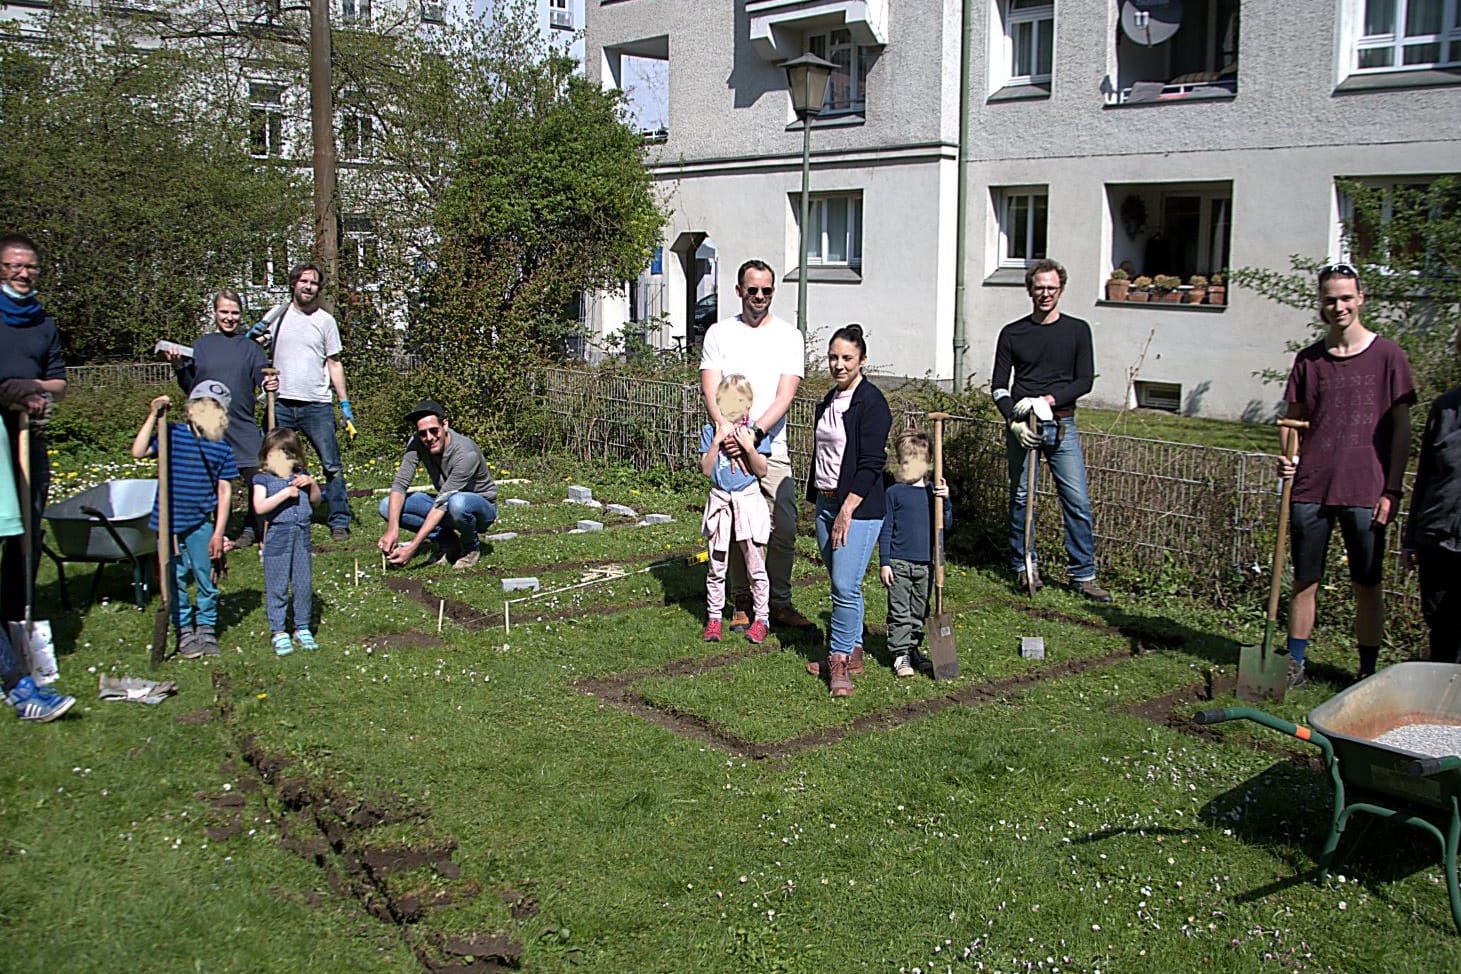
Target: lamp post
807 78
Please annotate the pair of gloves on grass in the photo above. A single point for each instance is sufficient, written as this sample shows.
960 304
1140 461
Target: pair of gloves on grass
1020 426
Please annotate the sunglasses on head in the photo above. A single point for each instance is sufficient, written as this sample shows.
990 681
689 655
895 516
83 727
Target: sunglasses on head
752 292
1344 270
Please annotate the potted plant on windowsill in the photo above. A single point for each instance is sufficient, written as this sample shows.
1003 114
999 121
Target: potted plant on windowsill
1217 289
1117 285
1139 289
1165 286
1199 289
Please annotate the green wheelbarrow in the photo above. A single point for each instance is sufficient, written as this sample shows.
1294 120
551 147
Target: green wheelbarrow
1387 782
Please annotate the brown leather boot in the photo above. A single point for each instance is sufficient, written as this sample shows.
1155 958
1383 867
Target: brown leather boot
840 681
855 666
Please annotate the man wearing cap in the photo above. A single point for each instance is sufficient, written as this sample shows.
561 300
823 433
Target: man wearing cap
465 504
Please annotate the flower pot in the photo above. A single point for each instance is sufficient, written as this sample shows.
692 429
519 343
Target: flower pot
1196 295
1170 297
1116 290
1136 295
1217 294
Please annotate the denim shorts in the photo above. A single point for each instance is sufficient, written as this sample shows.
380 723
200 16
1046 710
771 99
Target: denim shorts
1364 541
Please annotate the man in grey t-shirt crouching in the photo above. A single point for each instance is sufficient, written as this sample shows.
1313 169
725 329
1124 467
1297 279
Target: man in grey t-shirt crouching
465 504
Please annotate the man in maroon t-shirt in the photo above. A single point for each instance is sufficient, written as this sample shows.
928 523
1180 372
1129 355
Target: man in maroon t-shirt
1355 389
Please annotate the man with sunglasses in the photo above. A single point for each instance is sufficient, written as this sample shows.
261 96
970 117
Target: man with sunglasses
770 353
465 504
1355 390
1043 363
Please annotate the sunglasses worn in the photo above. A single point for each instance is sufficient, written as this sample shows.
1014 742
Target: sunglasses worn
1344 270
430 434
752 292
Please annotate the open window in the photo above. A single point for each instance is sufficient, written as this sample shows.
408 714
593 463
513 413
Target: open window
1175 229
641 70
1171 51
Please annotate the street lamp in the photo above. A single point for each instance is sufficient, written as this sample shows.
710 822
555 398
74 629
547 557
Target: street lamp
807 78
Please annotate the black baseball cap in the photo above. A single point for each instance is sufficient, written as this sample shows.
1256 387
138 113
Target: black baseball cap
426 407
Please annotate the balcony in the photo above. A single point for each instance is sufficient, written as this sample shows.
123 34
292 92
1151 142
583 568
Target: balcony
778 26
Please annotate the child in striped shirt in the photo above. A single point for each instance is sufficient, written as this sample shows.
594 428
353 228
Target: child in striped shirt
201 470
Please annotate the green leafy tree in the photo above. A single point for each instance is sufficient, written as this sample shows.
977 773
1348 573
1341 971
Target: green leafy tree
1405 241
141 203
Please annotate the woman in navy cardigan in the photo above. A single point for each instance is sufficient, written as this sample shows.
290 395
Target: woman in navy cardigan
846 484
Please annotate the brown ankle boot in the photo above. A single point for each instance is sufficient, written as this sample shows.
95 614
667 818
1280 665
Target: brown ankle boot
855 667
840 681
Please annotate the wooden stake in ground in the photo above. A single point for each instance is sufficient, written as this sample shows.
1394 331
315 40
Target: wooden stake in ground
163 619
940 624
357 573
440 614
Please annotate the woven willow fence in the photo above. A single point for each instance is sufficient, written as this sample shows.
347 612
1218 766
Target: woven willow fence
1201 514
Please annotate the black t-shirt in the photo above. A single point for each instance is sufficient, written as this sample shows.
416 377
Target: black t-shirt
1047 360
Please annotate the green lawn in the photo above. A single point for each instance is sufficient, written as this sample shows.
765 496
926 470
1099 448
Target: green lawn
570 786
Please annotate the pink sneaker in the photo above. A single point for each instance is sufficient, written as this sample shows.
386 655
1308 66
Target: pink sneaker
757 632
712 631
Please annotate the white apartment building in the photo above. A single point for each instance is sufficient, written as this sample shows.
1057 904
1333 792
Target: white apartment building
1178 138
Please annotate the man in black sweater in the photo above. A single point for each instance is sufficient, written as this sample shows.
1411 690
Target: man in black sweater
1043 363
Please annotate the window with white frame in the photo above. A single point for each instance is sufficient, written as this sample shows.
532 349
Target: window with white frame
1023 214
560 15
1405 35
847 88
835 230
359 252
433 12
1401 223
269 265
1030 34
354 11
266 119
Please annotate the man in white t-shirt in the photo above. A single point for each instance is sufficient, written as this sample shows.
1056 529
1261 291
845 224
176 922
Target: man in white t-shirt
771 353
306 343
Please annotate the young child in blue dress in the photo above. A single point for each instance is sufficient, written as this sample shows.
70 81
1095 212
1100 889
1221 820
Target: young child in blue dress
284 495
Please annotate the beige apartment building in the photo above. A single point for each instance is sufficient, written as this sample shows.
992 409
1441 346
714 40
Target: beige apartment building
1174 138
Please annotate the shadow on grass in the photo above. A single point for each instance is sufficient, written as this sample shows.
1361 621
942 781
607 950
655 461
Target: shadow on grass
1146 633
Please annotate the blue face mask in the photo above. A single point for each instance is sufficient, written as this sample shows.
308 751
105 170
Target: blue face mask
13 293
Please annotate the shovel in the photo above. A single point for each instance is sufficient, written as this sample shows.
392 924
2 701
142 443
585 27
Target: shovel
1032 580
30 638
1263 672
164 541
940 625
270 396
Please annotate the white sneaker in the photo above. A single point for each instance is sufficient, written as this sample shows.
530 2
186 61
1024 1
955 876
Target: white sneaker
903 666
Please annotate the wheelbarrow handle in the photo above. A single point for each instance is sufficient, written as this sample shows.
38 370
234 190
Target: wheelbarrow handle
1425 767
1267 720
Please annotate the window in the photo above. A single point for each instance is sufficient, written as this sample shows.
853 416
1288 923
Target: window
641 70
269 266
1400 35
266 119
848 85
1185 229
1030 28
1405 225
1023 215
433 12
560 15
835 235
354 11
357 128
359 252
1197 58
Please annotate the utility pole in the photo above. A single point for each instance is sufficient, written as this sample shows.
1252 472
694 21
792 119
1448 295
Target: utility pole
322 132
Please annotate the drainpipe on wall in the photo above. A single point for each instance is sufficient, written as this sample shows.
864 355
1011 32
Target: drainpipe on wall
966 68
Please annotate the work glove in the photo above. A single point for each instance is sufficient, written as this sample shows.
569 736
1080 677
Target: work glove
1023 407
349 414
1028 438
1042 410
135 689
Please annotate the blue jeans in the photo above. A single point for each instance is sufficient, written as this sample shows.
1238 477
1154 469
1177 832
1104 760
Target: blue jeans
467 515
847 566
315 421
192 561
1068 467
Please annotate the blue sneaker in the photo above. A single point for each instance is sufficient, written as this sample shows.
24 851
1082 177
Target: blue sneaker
306 640
37 704
282 645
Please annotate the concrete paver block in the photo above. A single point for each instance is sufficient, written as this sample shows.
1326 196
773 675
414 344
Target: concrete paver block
520 584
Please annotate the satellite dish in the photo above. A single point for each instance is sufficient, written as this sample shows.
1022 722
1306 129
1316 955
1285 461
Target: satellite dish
1150 22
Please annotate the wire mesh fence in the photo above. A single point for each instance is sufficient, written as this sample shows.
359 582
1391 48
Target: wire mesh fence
1203 516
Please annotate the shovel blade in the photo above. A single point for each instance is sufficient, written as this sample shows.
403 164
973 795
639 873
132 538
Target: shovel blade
1263 673
941 648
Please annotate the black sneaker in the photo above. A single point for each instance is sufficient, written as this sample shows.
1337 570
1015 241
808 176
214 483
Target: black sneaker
1090 590
245 539
340 534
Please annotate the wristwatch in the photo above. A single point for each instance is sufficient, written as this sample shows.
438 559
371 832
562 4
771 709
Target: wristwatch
758 433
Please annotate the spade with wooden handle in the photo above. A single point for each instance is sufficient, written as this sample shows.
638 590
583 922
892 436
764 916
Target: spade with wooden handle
163 618
940 625
270 396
